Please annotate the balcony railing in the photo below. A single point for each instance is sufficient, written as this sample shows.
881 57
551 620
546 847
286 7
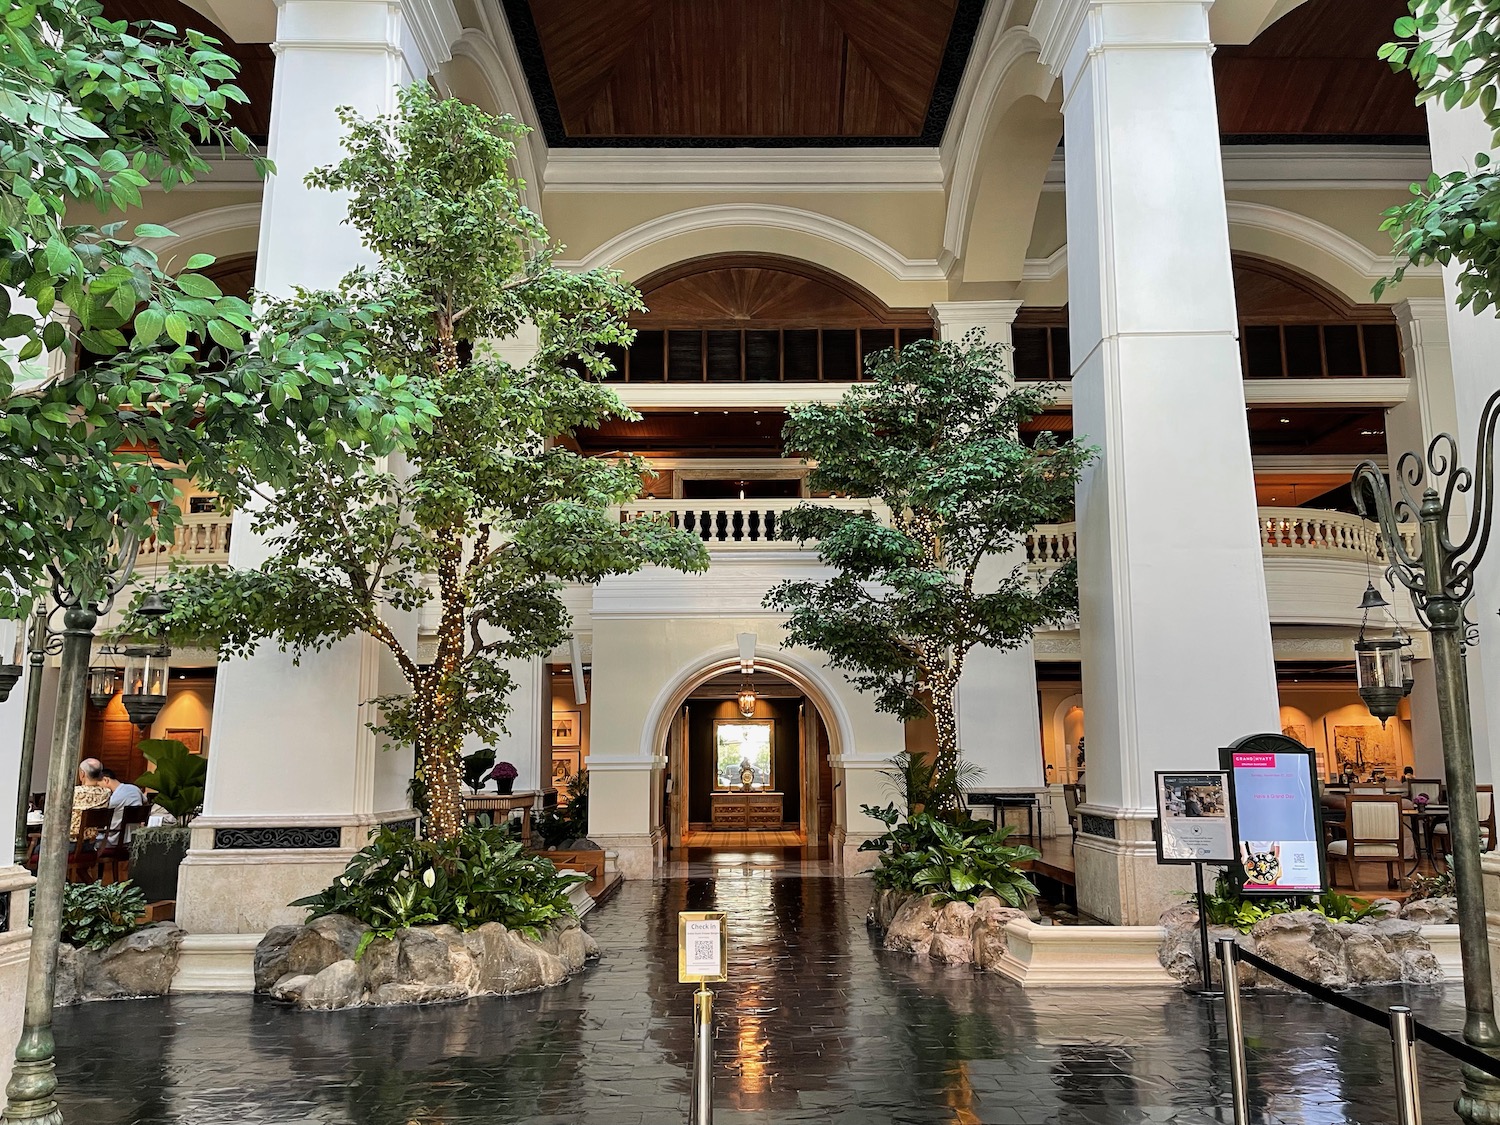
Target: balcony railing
731 524
200 538
1295 532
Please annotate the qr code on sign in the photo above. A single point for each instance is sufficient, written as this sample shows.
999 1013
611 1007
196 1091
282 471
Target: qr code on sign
704 951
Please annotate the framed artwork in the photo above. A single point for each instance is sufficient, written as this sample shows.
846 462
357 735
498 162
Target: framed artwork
567 728
1365 751
565 767
742 754
192 739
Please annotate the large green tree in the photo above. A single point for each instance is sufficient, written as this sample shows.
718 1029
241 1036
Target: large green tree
935 439
171 376
489 511
1452 50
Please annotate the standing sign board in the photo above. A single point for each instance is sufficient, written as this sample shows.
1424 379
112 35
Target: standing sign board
1274 808
1193 814
702 946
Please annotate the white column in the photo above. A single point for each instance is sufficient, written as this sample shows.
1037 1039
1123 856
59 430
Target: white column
999 728
1455 137
1176 642
15 940
293 752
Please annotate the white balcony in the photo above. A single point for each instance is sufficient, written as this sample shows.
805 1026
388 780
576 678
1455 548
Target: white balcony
201 538
733 525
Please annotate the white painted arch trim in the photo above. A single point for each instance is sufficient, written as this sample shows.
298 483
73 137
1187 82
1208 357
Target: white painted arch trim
202 224
806 676
765 215
1354 256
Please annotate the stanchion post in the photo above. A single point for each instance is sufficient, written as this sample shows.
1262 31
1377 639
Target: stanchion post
1234 1025
1206 988
703 1057
1404 1055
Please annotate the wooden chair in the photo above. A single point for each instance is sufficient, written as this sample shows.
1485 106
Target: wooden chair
117 852
83 857
1373 835
1485 795
1431 786
1368 790
1070 804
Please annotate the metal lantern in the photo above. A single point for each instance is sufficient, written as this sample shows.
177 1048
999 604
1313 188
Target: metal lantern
145 691
747 700
12 649
1408 665
1378 667
104 682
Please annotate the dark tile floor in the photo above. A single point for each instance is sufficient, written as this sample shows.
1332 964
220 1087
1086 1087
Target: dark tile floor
816 1026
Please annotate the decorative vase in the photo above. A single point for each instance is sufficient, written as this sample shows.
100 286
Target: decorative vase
504 785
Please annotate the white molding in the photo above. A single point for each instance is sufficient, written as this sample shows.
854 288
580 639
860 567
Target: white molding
202 224
725 396
435 25
1355 256
1312 463
216 963
1293 392
1315 167
743 170
954 318
717 216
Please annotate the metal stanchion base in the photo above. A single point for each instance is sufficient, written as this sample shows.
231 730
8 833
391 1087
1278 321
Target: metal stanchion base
1479 1101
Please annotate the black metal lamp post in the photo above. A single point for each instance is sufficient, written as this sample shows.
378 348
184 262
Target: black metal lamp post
1439 574
28 1095
43 643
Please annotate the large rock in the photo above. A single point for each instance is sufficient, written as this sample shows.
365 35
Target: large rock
271 956
912 927
952 935
883 907
323 942
987 935
142 964
69 977
340 985
1432 911
1306 943
1370 960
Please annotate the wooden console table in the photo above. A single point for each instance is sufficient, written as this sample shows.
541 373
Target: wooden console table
738 808
499 806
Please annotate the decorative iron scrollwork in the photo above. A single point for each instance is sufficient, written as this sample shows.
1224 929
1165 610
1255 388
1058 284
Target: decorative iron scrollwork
255 839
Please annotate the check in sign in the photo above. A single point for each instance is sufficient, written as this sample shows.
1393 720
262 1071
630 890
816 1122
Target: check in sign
702 946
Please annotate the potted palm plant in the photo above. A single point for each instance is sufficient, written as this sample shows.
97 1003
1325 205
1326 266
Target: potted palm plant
178 777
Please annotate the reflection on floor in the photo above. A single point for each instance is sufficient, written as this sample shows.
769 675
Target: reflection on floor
816 1025
785 838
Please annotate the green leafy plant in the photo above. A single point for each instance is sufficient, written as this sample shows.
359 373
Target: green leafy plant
477 766
956 862
96 915
481 875
1440 885
177 776
933 439
930 785
1227 907
558 826
492 498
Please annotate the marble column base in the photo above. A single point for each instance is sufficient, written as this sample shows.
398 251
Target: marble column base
1115 869
637 855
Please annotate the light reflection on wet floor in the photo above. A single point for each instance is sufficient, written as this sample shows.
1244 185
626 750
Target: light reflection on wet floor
816 1025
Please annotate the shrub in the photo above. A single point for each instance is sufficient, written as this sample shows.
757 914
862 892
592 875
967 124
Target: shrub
956 862
558 826
177 775
1431 886
1227 907
479 876
95 916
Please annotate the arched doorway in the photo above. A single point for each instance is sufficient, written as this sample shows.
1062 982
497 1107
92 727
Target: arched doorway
748 766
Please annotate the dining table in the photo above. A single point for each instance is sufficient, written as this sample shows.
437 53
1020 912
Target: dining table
1423 819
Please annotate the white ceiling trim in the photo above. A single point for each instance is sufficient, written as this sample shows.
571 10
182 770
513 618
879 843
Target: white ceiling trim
765 215
1299 167
217 220
743 169
1379 393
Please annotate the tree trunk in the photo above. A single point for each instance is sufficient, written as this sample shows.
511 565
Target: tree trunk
945 719
438 763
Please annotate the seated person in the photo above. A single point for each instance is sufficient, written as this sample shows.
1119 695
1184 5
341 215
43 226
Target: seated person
120 793
86 795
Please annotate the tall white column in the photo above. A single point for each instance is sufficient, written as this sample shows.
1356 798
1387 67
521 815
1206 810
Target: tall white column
999 728
1455 137
296 777
1176 643
15 881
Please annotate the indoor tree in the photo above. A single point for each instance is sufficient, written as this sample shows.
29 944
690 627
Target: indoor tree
1453 53
488 511
934 440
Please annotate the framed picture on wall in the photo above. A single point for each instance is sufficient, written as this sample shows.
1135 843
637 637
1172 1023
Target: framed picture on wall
743 754
565 767
567 728
191 738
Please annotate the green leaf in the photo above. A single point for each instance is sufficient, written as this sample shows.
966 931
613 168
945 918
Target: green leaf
176 325
149 323
196 285
152 230
200 261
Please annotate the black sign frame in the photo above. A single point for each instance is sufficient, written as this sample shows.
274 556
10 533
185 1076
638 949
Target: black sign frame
1275 744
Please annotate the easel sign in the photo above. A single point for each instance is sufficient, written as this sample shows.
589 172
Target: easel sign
1278 823
702 946
1193 812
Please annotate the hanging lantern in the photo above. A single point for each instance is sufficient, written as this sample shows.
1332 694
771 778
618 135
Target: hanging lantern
747 700
104 682
12 648
1378 668
1408 665
145 687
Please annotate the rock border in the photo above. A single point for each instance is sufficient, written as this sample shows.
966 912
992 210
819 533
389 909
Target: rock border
139 964
953 933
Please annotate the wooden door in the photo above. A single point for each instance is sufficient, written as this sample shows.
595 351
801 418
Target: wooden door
110 736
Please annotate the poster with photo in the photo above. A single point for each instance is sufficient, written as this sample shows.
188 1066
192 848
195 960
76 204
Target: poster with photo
1273 804
1192 812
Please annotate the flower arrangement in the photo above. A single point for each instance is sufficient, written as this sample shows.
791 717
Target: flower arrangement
1420 801
503 775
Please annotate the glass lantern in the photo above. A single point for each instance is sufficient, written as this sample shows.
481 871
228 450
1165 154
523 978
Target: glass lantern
12 649
1381 677
747 701
104 682
145 686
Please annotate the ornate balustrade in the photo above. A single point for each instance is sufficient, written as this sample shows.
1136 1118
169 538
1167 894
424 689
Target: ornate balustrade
731 524
200 538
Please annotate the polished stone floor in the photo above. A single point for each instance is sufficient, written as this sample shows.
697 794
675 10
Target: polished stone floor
816 1026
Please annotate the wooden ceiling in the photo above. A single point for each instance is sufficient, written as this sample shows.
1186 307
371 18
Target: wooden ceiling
690 433
758 72
257 63
1314 74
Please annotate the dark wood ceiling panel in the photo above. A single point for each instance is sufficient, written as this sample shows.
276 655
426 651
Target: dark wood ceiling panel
762 72
257 63
1313 73
690 433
